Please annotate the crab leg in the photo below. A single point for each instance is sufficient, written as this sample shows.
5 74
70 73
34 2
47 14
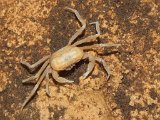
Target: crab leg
100 60
91 64
47 83
35 88
59 79
83 22
35 64
38 74
95 46
90 38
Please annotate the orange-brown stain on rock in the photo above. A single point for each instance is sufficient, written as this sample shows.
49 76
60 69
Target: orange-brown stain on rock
32 29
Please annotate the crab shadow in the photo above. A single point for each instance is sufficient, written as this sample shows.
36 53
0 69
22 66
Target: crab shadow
75 72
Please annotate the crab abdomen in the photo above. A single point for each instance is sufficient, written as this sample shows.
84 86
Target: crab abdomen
65 57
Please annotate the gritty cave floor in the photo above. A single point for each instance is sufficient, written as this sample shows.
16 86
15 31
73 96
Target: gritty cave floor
30 30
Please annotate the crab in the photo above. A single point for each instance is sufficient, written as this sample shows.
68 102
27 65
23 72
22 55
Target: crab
66 57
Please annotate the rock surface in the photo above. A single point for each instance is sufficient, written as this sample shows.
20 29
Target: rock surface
31 29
